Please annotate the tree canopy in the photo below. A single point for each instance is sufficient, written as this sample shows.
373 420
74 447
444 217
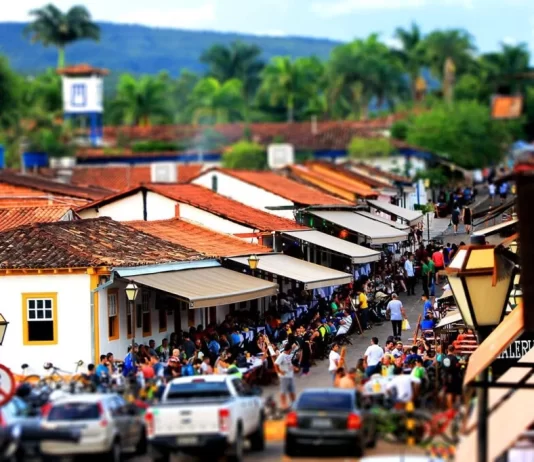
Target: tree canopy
245 155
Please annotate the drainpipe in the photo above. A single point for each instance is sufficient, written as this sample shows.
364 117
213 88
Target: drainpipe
145 210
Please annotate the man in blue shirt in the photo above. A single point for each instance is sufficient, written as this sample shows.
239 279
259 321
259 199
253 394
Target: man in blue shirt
428 307
102 370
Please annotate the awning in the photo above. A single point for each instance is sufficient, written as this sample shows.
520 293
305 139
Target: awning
448 293
451 318
496 229
357 253
394 224
373 231
208 286
311 275
411 216
505 426
507 331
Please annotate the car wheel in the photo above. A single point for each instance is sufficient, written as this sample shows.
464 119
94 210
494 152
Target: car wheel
237 450
358 450
142 445
291 449
257 439
114 454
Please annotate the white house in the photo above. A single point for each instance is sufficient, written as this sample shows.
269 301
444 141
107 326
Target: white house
264 190
193 203
63 289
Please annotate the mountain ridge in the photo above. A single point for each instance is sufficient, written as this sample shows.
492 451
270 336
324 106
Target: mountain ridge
142 49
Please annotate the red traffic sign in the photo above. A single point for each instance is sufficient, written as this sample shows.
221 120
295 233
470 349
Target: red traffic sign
7 385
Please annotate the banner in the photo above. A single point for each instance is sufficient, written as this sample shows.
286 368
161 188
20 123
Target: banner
83 95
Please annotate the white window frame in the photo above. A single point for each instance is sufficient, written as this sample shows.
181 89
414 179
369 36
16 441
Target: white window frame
43 309
113 308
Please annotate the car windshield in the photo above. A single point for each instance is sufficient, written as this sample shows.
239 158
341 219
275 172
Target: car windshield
325 402
198 389
74 411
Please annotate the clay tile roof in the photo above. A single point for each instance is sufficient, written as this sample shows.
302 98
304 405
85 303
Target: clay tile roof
284 187
371 181
197 237
82 69
211 202
47 185
11 217
85 243
379 172
118 178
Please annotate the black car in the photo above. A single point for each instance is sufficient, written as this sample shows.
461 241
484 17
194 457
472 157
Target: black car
328 419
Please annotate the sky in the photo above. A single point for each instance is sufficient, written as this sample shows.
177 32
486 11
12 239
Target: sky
490 21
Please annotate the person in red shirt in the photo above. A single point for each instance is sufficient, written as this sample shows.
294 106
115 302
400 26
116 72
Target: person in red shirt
439 262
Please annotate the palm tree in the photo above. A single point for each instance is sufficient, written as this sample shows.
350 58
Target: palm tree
504 65
216 102
237 61
141 100
53 27
411 55
449 52
362 70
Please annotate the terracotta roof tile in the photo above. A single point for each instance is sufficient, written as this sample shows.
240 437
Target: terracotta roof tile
119 178
197 237
214 203
324 181
18 216
370 181
379 172
82 69
19 196
85 243
48 185
284 187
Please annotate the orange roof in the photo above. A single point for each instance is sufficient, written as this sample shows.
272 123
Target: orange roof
283 187
82 69
375 171
198 238
21 196
506 107
11 217
214 203
123 177
326 181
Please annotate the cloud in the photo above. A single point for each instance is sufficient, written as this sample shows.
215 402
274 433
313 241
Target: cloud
333 8
510 41
187 17
393 43
273 33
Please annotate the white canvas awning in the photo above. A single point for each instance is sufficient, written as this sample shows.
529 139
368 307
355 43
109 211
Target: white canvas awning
496 229
411 216
311 275
394 224
357 253
451 318
208 286
373 231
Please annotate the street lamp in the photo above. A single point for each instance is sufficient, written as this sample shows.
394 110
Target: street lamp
482 301
516 295
131 294
513 246
3 328
253 261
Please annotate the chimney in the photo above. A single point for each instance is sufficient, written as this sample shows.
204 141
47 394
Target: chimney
177 211
314 125
214 183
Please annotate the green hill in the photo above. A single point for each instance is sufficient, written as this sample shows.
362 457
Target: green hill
140 49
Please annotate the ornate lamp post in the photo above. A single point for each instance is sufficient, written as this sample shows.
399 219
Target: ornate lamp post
3 328
482 301
131 294
253 261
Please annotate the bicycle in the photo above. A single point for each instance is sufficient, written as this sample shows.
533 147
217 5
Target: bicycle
32 379
56 377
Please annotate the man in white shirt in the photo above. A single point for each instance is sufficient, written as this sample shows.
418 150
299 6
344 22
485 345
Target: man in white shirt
402 386
344 324
396 313
286 373
334 359
409 272
373 357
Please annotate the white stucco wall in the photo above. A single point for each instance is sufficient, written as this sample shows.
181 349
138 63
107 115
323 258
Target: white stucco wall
127 208
73 317
246 193
211 221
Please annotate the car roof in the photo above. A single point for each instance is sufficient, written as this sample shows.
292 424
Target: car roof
203 378
84 398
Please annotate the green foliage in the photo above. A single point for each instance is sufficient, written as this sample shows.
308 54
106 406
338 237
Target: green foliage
10 91
245 155
362 148
464 132
399 130
436 176
216 102
156 146
303 156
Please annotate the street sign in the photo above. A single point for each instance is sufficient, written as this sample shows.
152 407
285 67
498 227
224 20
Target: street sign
7 385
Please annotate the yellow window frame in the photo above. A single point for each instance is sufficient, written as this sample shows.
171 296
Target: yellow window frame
116 321
25 331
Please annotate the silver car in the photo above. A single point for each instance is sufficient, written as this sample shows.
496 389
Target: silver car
109 427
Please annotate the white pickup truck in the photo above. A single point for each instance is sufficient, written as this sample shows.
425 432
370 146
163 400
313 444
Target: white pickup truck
206 415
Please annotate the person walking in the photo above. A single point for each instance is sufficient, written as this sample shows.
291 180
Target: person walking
396 313
409 271
363 304
455 217
467 218
334 361
286 372
373 358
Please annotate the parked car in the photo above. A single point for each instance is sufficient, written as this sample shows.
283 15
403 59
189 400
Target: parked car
209 415
109 426
328 419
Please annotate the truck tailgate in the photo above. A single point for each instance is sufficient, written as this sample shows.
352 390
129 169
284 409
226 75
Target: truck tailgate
186 420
